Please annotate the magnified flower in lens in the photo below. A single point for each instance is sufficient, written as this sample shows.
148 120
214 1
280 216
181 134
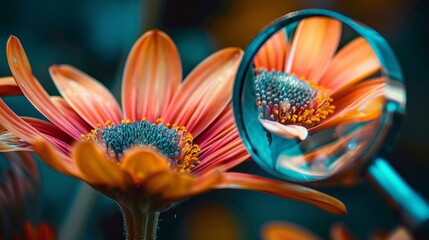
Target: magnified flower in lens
306 85
170 140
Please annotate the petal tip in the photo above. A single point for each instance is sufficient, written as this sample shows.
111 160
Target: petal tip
285 131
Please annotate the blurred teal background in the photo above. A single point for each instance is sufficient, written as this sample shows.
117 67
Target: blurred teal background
95 36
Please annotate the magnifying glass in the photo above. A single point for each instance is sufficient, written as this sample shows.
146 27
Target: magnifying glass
318 99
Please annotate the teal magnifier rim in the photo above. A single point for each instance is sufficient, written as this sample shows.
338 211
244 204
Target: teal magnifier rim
390 70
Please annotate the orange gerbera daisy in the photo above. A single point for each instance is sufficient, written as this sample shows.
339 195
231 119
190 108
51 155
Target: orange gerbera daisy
287 231
306 85
171 139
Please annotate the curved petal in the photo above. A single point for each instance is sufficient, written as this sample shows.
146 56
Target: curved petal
89 98
285 131
49 129
351 64
363 102
96 169
313 46
273 53
220 144
143 162
55 159
16 125
21 70
152 73
284 230
206 91
282 189
73 117
168 185
8 87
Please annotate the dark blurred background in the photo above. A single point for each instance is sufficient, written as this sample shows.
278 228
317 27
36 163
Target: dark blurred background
95 36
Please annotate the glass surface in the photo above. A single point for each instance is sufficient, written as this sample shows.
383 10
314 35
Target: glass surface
315 95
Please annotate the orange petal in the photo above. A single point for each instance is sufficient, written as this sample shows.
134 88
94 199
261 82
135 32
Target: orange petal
89 98
282 189
285 131
16 125
169 185
21 70
313 46
152 74
8 87
272 55
220 144
73 117
284 230
340 232
354 62
141 163
207 181
363 102
96 169
206 91
55 159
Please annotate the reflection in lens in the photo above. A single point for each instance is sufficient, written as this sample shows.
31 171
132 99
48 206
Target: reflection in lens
319 95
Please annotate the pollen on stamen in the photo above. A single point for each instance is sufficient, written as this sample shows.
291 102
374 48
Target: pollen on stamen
170 140
288 99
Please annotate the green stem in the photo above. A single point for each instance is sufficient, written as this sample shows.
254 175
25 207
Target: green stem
139 225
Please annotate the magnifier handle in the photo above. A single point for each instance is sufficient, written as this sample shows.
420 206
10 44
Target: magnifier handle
411 207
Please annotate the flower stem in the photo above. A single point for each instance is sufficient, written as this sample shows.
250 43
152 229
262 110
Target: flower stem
139 225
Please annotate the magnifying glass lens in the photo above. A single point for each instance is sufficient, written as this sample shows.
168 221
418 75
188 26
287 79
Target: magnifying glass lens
312 98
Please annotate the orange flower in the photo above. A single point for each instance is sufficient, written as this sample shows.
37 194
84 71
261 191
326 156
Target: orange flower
18 193
42 232
306 85
289 231
171 140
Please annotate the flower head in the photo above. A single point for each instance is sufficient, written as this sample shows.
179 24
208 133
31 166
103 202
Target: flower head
19 184
169 140
306 85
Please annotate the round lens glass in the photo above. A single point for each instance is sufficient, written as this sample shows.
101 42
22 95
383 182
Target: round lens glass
315 95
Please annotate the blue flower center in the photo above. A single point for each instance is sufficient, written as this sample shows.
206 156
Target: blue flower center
287 99
172 141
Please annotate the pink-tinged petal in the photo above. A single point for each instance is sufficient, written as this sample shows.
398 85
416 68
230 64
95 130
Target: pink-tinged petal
352 63
96 169
272 55
21 70
313 47
49 129
55 159
284 230
228 155
72 116
23 130
16 125
152 73
285 131
282 189
88 98
8 87
363 102
206 91
220 144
